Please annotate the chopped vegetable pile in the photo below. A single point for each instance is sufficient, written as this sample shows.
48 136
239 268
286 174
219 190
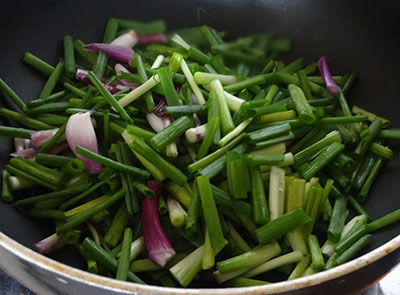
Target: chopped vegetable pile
165 155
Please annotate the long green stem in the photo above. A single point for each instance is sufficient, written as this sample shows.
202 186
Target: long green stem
124 259
210 213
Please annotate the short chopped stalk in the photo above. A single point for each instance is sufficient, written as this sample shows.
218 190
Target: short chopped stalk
227 124
12 95
365 143
273 90
359 111
316 254
259 200
282 225
168 87
300 268
278 116
250 259
194 211
52 81
215 155
170 133
21 173
139 91
384 221
301 104
180 193
381 150
123 262
212 128
148 97
311 151
234 133
104 258
210 213
371 177
342 120
69 57
15 132
47 174
189 77
24 120
354 249
291 257
276 198
339 216
209 253
89 214
177 214
238 179
269 132
304 84
116 229
112 164
234 103
321 160
188 268
109 97
6 192
237 239
245 282
72 201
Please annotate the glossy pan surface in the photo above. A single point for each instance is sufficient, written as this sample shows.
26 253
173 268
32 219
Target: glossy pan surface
364 38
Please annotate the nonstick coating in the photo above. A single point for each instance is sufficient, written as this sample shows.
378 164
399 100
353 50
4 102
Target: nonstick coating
355 36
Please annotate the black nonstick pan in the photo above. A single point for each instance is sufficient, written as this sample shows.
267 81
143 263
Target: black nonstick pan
355 36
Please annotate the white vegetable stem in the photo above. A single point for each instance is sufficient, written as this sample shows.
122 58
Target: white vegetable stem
20 183
126 40
313 181
120 69
137 247
234 102
189 77
158 61
157 174
186 269
155 122
278 148
328 248
196 134
138 92
171 149
276 192
234 133
177 214
291 257
207 78
21 144
179 40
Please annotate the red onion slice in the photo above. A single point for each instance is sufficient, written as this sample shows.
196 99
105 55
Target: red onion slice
81 75
326 75
126 40
152 38
120 53
80 131
28 153
157 243
39 138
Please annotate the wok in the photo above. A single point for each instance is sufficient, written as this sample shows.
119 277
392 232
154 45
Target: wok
355 36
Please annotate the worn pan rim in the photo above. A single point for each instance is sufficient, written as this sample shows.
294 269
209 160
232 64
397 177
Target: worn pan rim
86 278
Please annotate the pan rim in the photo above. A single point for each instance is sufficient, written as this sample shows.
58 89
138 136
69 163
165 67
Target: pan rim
87 278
